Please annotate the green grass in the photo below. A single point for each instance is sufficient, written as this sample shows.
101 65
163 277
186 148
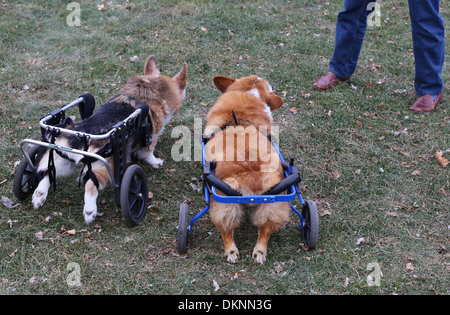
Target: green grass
365 159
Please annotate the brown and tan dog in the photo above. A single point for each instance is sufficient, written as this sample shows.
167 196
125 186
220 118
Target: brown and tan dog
161 93
241 120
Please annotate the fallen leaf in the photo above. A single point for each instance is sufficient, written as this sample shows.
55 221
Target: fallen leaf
416 172
410 266
32 279
336 174
71 232
293 110
216 286
195 187
204 29
444 162
10 222
39 235
360 241
304 246
150 195
326 212
392 214
101 7
8 202
346 282
235 275
279 267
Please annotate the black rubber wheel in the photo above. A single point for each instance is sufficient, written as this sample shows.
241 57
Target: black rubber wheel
25 179
134 195
182 229
310 231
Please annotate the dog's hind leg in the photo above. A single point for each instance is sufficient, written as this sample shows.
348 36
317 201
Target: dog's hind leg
227 217
260 250
268 218
63 167
91 191
41 192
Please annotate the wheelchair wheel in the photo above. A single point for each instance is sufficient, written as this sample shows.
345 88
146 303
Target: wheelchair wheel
182 229
25 179
134 195
310 231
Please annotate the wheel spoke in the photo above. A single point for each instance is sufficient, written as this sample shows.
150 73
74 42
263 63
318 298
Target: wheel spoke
133 195
132 202
25 180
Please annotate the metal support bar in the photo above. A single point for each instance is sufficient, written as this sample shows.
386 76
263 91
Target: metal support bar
66 149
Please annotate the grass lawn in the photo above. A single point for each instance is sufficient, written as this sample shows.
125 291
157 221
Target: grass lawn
366 160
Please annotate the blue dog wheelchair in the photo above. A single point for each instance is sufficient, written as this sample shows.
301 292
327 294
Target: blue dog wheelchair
129 181
309 218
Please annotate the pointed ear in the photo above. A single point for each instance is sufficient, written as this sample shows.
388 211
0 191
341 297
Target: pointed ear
151 67
274 101
181 77
222 83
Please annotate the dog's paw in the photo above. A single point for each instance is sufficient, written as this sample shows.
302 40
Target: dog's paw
39 198
232 255
41 192
259 254
89 213
156 162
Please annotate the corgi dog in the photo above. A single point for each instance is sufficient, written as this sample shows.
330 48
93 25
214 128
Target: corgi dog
239 124
161 93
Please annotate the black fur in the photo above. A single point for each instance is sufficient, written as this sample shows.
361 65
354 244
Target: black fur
102 121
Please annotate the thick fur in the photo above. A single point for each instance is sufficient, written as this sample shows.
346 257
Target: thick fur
245 159
161 93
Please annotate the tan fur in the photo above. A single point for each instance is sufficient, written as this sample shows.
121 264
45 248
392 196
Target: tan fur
245 159
161 93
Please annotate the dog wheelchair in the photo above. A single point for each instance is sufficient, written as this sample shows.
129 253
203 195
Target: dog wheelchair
129 181
309 218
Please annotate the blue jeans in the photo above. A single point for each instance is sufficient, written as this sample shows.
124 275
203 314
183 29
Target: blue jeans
428 34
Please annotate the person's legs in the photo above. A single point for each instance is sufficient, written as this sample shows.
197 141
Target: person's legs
350 30
428 34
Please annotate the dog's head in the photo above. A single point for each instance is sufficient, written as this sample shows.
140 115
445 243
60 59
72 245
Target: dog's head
154 88
151 72
254 85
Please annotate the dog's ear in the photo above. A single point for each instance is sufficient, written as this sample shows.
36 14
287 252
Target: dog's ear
274 101
222 83
181 77
151 66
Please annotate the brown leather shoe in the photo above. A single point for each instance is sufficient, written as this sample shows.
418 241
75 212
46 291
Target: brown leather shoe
426 103
328 81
